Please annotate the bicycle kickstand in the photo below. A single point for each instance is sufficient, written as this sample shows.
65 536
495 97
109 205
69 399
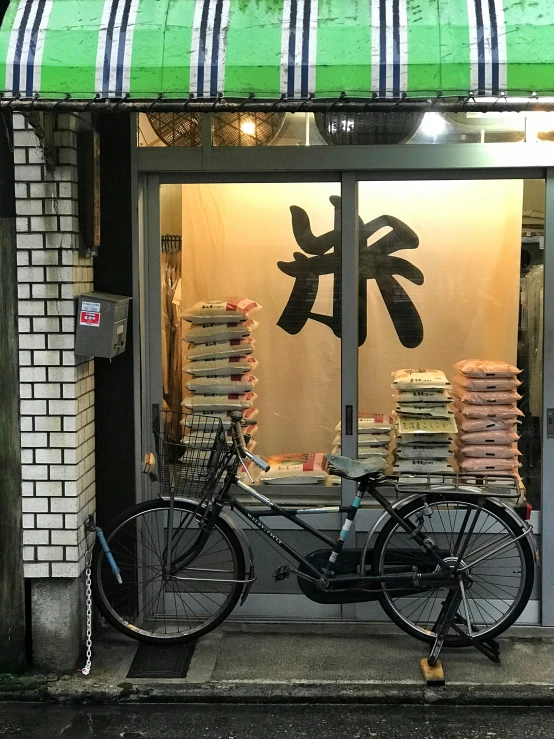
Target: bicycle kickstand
490 648
444 622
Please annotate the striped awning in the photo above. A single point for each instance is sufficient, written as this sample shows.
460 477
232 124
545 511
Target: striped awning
276 49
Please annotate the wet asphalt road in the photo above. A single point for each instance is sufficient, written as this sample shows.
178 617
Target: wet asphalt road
43 721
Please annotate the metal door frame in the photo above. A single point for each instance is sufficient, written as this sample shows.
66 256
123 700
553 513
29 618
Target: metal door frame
153 167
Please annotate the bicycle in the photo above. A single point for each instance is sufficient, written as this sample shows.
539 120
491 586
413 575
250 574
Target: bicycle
449 567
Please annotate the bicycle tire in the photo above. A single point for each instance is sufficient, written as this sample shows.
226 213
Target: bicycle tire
110 599
495 509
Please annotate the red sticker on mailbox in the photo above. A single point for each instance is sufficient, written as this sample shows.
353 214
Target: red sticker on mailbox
90 314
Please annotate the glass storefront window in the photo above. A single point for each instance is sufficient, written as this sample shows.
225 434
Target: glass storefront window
229 129
169 129
336 128
453 271
267 250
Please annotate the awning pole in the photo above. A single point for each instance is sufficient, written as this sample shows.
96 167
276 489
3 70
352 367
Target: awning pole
311 105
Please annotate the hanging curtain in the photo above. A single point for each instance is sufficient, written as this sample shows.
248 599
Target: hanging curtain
533 328
171 329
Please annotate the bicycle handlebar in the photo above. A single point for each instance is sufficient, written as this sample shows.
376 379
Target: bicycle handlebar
258 461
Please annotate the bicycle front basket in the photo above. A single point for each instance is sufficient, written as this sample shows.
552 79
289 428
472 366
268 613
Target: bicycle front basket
192 453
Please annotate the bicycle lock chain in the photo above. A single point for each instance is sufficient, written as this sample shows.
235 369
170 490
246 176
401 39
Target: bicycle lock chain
88 600
92 528
89 529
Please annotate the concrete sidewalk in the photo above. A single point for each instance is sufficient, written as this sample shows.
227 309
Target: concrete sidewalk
359 663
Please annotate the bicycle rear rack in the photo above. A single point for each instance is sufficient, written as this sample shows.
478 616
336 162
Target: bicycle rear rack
495 486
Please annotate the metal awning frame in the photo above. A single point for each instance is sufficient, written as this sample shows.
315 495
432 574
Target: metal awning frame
342 104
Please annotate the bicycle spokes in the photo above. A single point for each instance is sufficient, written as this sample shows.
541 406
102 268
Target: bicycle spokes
159 603
488 571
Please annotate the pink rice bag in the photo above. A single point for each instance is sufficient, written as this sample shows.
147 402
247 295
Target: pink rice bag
472 425
489 398
486 368
489 437
488 411
489 450
473 464
481 385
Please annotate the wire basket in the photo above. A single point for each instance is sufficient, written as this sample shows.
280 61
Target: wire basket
192 454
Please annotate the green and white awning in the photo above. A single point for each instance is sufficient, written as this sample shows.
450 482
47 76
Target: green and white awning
175 49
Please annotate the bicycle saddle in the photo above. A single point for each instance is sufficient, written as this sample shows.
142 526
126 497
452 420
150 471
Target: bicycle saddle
355 469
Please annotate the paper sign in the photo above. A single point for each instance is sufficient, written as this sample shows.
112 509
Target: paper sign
90 314
90 318
426 425
90 307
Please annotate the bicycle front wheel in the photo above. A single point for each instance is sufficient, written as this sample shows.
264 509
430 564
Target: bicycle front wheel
499 562
152 606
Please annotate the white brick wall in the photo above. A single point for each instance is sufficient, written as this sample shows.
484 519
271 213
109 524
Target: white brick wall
56 387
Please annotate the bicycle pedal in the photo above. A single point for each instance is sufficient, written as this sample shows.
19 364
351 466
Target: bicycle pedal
281 573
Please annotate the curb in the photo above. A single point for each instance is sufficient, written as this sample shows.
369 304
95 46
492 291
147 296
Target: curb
25 689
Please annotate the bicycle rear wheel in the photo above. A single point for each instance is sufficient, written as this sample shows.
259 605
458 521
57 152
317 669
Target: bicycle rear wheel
151 606
500 567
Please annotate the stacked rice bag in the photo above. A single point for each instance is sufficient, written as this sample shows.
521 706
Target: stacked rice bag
424 422
486 399
374 435
295 469
220 364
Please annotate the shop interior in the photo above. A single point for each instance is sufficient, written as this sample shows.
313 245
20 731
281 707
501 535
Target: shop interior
449 271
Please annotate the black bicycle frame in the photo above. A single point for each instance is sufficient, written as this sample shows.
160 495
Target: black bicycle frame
253 516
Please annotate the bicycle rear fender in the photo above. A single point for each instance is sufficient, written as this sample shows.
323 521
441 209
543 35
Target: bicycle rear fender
523 525
384 516
247 547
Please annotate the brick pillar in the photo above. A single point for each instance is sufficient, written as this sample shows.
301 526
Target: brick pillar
56 386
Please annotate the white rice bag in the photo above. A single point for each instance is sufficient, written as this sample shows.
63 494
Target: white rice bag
423 451
422 465
218 403
222 385
424 411
372 423
221 367
200 334
221 310
423 438
201 420
367 440
410 379
221 349
295 469
423 396
366 451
